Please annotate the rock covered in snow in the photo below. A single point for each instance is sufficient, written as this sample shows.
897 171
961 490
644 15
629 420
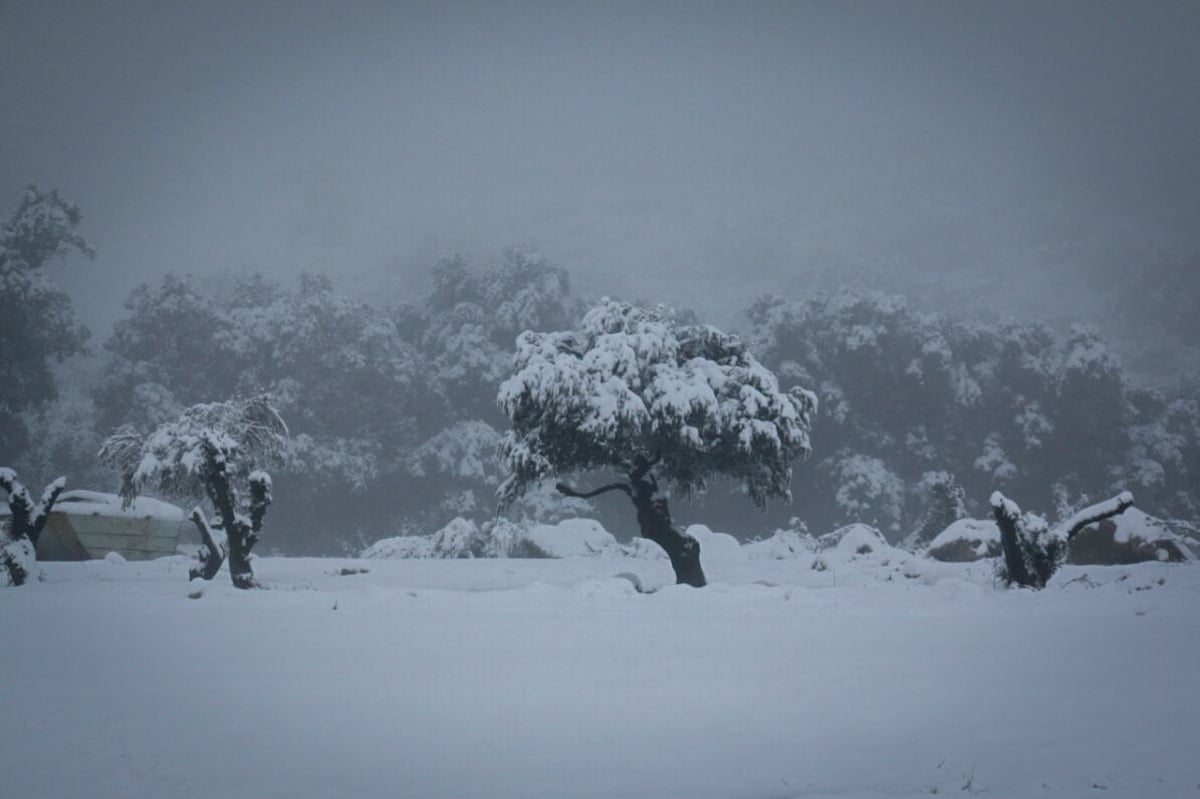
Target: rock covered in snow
966 541
715 546
1131 537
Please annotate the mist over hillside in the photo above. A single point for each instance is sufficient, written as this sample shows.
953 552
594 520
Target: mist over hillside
1003 159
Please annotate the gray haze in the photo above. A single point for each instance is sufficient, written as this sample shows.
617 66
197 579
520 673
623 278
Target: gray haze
693 152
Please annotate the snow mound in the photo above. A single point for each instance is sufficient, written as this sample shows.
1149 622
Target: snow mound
399 547
463 538
573 538
715 546
781 545
965 541
854 539
645 549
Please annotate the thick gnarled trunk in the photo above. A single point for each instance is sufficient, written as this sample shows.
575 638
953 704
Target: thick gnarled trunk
241 533
654 519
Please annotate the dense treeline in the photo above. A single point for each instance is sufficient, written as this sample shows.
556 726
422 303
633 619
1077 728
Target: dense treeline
915 405
394 423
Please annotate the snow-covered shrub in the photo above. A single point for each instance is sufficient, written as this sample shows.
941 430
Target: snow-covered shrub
460 538
944 502
868 491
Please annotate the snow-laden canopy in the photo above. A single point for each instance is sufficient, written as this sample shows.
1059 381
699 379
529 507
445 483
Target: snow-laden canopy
635 388
176 457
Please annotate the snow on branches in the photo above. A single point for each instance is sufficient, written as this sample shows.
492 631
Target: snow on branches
209 451
25 524
177 458
634 386
1033 550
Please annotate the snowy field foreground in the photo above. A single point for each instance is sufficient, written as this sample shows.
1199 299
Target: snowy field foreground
553 678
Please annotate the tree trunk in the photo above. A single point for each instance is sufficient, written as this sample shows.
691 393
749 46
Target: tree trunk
240 569
654 519
1008 515
236 529
1032 563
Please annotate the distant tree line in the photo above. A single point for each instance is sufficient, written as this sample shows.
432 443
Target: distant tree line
394 424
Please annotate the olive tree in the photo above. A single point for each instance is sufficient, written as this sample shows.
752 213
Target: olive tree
211 451
658 402
1033 550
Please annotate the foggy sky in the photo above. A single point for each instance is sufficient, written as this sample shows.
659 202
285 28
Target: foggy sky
693 152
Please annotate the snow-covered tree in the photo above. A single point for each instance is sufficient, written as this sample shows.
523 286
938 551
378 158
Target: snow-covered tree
340 370
392 410
1009 404
943 503
660 403
18 553
1033 550
37 324
211 451
466 330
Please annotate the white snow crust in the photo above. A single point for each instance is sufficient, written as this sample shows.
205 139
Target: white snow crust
101 504
882 675
978 532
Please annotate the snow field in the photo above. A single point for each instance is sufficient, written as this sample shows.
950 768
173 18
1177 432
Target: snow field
553 678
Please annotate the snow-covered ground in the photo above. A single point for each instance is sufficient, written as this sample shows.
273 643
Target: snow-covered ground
874 675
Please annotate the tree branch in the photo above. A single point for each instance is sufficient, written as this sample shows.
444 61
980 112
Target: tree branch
563 488
211 554
1098 512
642 466
37 522
1008 517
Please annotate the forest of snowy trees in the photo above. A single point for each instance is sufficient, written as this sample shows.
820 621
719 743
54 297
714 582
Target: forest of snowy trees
394 423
